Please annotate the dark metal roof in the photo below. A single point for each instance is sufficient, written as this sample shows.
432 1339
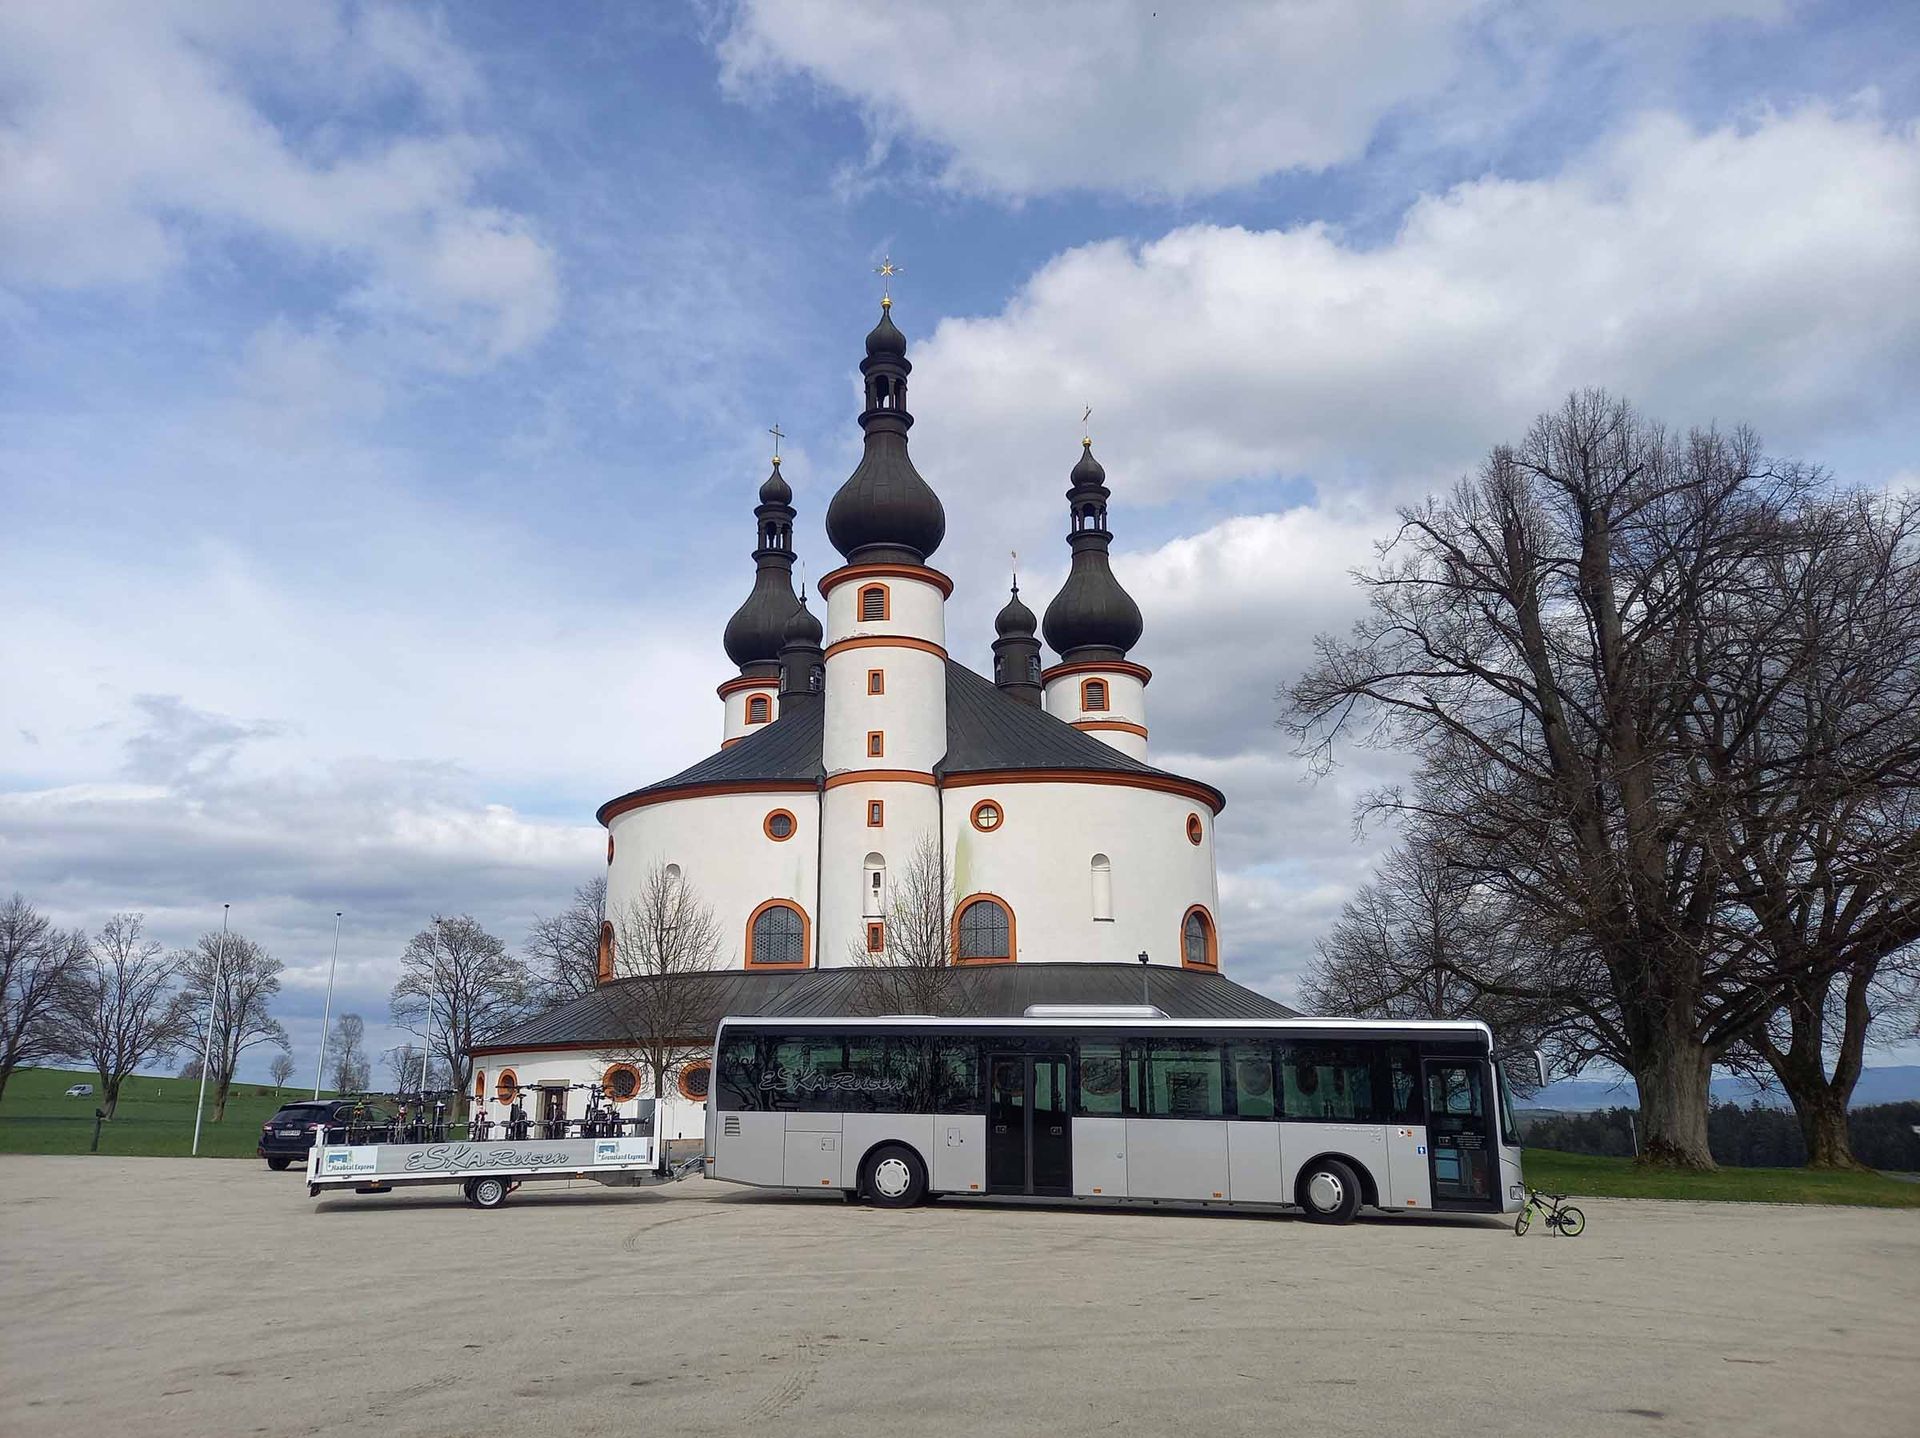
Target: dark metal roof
987 730
785 751
985 991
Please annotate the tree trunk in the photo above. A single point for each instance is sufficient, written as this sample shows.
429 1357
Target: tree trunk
6 1072
224 1083
110 1090
1820 1103
1673 1072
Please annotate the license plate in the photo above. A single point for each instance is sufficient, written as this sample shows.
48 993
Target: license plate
288 1132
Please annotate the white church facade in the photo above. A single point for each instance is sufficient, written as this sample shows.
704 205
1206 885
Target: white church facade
854 740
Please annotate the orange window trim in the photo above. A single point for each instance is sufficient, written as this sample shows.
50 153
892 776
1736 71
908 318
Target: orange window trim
806 937
885 615
1213 940
1013 937
605 968
876 813
479 1085
1196 831
766 825
1096 695
759 710
885 641
614 1070
876 743
876 681
876 937
682 1080
506 1086
973 816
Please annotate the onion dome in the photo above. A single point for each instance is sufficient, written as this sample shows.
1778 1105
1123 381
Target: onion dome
1091 617
758 628
803 663
886 512
1016 653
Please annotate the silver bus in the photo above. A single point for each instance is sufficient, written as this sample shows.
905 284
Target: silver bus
1108 1105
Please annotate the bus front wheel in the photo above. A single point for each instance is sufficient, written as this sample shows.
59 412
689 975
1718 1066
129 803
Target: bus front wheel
895 1177
1329 1191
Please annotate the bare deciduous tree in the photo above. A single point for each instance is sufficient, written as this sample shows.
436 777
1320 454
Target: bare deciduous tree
663 939
238 978
563 950
37 961
458 986
118 1011
1535 639
402 1064
347 1054
913 971
280 1070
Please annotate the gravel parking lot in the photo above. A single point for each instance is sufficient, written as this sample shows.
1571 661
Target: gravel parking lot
167 1297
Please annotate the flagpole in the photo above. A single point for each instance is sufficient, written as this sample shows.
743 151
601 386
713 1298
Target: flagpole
320 1064
213 998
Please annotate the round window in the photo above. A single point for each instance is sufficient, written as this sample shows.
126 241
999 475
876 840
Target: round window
621 1081
987 816
609 848
779 825
1195 831
694 1079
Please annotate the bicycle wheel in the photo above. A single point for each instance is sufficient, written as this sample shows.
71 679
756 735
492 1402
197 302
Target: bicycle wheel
1572 1221
1521 1220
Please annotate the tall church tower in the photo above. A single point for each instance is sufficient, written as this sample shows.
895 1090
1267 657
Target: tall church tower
758 628
1092 623
886 658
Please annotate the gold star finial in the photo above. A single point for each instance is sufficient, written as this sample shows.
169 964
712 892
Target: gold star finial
887 269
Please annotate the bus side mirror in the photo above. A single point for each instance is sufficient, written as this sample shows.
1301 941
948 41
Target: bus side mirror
1540 1065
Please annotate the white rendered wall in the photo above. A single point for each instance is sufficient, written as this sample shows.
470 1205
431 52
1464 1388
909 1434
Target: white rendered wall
1040 859
734 718
917 608
910 811
677 1117
912 713
1126 702
721 846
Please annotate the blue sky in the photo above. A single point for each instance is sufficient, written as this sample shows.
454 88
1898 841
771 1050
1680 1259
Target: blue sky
385 388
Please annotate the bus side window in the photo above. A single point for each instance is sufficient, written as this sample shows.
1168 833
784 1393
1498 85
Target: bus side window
1184 1079
1403 1084
956 1076
1253 1087
802 1075
1100 1075
738 1080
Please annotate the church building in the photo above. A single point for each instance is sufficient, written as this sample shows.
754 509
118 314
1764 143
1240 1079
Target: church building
859 740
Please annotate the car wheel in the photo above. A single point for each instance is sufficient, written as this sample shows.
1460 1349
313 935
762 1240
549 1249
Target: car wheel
894 1177
279 1165
487 1192
1329 1191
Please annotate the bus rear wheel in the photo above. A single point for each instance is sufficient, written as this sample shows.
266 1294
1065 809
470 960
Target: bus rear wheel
1329 1191
894 1177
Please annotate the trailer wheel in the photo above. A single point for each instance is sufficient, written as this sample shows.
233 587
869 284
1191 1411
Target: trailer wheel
486 1192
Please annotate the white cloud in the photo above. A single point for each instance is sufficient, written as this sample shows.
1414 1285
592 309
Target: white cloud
1760 273
137 133
1156 99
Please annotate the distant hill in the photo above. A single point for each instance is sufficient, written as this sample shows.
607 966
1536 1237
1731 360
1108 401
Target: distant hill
1893 1083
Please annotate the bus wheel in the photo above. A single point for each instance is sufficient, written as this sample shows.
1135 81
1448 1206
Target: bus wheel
895 1177
1329 1192
487 1192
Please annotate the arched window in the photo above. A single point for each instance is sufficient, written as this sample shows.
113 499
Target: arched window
874 605
759 709
777 936
873 886
1102 870
1093 695
1199 945
605 971
983 931
506 1087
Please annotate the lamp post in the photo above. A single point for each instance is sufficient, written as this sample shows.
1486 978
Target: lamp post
213 1000
326 1016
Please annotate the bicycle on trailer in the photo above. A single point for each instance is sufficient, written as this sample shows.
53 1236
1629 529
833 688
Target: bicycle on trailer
1562 1217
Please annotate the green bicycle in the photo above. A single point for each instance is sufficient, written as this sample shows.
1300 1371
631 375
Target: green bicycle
1562 1217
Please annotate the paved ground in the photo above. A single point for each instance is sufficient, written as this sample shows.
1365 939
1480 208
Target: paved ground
165 1297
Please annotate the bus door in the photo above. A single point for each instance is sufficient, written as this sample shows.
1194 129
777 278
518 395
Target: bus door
1029 1138
1461 1152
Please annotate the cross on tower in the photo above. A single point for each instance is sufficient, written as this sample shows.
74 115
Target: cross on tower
778 435
887 269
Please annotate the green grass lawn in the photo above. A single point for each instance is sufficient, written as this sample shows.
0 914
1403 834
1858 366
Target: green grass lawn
1620 1178
155 1116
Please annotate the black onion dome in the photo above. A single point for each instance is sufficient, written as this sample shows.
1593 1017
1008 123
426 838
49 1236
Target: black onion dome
759 626
802 628
776 490
1089 471
1091 617
886 512
1015 620
885 338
